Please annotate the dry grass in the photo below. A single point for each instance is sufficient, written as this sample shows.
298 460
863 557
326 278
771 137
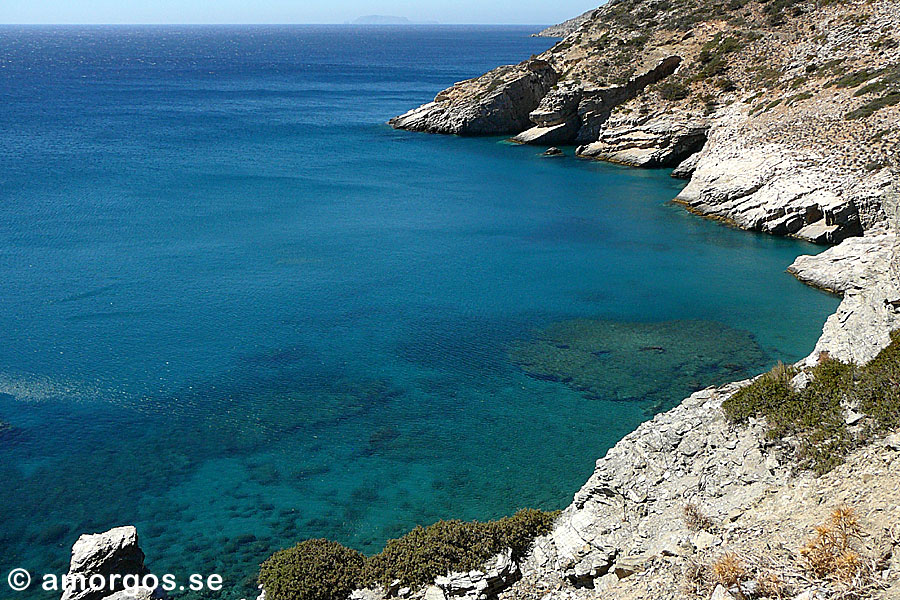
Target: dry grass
770 584
730 571
830 553
695 520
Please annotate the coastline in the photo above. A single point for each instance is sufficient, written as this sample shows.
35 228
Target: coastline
780 170
690 453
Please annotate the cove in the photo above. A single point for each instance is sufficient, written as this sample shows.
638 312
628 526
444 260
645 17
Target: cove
240 311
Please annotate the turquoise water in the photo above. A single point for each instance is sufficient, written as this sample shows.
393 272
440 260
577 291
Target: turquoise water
238 310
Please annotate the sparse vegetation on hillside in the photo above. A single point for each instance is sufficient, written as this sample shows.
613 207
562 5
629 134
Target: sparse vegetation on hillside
325 570
835 556
813 420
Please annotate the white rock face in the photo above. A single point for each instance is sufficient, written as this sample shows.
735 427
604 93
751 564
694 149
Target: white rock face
113 552
644 141
496 575
496 103
780 189
632 505
867 271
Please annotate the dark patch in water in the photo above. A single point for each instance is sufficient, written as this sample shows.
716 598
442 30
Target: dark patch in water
656 362
89 294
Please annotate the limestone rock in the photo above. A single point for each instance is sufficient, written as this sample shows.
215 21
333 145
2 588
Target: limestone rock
433 592
720 593
374 593
703 540
139 594
648 141
482 584
893 442
566 28
776 188
113 552
496 103
867 271
685 170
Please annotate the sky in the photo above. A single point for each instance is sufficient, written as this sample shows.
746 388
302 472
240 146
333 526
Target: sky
529 12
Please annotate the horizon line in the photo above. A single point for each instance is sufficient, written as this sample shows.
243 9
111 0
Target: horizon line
226 24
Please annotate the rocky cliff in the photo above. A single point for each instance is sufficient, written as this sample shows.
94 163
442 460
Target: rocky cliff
566 27
783 115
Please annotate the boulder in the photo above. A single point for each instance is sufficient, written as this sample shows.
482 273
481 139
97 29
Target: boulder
114 552
496 575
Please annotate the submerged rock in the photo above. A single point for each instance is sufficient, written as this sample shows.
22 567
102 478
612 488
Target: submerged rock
639 361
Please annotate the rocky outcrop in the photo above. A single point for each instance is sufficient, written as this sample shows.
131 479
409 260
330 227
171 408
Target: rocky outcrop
565 28
866 271
496 103
648 141
763 516
498 574
630 510
115 552
575 114
782 189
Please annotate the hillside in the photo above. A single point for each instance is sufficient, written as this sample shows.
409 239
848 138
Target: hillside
783 116
768 107
566 27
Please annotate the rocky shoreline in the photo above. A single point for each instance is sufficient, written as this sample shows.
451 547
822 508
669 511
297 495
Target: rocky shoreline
771 145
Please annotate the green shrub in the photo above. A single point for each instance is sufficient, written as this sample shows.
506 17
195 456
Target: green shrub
428 552
324 570
870 108
854 79
726 85
712 56
798 98
673 91
762 396
814 416
312 570
879 387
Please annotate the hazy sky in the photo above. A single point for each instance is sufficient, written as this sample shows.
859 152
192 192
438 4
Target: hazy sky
288 11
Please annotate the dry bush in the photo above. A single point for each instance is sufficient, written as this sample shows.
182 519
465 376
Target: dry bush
770 585
830 554
697 580
730 571
695 520
835 554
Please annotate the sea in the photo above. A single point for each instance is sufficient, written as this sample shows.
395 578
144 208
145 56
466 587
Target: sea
238 310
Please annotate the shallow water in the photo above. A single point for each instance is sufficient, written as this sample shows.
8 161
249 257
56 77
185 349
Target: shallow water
238 310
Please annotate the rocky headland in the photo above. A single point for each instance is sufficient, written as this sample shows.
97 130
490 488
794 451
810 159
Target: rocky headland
565 28
783 116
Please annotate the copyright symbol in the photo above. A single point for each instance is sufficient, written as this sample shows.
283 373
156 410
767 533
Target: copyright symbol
19 580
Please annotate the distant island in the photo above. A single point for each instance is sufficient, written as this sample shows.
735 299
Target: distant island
388 20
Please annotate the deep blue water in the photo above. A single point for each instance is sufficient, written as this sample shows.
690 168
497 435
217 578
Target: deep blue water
238 310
